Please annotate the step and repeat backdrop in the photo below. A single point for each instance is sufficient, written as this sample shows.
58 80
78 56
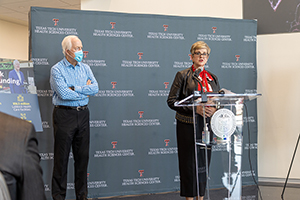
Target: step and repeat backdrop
134 58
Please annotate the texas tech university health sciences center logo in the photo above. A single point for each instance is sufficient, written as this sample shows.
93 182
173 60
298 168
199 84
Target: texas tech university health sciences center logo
113 24
141 180
55 21
223 123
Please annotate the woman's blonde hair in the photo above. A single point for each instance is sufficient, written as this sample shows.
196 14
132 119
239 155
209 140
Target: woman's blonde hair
199 45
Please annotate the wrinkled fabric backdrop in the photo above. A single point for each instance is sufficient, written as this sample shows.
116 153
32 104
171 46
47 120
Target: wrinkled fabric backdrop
134 58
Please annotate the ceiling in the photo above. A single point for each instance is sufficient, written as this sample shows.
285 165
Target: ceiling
16 11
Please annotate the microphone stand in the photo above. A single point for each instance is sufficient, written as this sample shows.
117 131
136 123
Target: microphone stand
286 180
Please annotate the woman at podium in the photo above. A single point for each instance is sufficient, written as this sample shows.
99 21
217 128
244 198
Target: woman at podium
195 78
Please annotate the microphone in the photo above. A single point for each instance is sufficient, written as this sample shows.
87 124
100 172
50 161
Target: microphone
196 70
203 94
221 92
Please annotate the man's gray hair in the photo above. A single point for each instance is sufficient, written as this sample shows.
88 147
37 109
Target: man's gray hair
16 62
66 44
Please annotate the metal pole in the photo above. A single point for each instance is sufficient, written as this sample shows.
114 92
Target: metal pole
196 155
286 180
206 156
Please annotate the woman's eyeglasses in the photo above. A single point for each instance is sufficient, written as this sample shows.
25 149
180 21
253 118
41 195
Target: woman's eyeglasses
201 54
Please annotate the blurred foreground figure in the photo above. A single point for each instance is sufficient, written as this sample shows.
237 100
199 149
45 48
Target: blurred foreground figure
19 159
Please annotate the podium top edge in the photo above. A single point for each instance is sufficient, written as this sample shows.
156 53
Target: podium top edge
231 98
229 95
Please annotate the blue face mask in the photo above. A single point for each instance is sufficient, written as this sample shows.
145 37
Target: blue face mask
78 55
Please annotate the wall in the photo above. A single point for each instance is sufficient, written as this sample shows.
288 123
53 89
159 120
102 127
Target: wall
212 8
13 40
278 109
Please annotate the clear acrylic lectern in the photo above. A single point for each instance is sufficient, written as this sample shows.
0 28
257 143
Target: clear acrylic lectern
226 125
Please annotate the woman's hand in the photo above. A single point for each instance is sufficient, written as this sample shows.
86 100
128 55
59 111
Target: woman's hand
209 110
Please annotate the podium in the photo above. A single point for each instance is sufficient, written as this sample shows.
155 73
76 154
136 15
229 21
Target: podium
224 129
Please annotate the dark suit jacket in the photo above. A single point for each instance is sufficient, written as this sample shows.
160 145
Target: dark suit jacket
184 85
17 88
19 158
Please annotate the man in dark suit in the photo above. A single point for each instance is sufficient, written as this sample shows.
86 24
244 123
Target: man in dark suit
16 79
19 159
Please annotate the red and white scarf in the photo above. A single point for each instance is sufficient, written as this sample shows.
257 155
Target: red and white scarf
203 77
